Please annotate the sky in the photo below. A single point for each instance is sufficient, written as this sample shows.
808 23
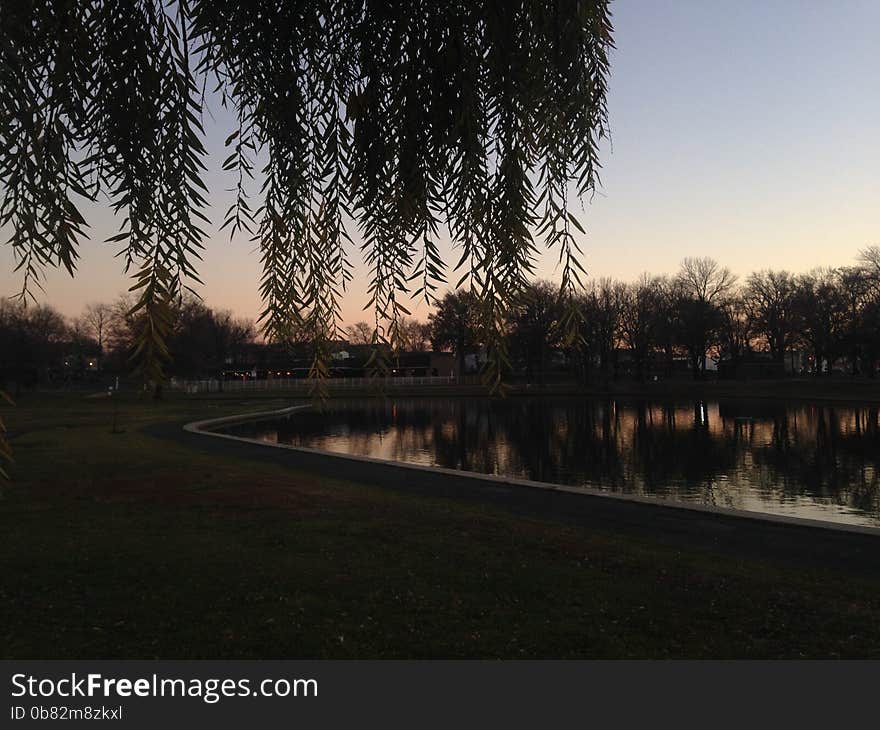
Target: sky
746 131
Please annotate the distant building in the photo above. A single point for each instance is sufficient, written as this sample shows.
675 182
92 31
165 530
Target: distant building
753 366
272 363
424 364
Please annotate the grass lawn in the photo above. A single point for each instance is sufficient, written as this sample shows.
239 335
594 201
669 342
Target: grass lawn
121 545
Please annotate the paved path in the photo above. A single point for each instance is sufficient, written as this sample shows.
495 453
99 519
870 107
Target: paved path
736 537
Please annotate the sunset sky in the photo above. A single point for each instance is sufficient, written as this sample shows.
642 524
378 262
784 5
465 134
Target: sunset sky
746 131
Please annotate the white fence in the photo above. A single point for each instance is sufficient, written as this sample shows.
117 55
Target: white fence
216 385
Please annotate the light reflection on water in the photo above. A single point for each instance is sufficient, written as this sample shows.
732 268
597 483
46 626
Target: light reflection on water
805 459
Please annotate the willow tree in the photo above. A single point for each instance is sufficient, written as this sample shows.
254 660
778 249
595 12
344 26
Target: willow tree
406 121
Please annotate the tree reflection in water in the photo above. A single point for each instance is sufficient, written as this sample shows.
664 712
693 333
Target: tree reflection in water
796 458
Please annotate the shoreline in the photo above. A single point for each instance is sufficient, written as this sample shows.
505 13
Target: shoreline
736 536
380 469
848 392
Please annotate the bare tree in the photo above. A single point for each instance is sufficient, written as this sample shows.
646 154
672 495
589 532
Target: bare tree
598 328
666 320
360 333
822 309
856 287
705 280
119 333
769 299
869 259
416 335
535 327
638 321
734 338
704 285
96 319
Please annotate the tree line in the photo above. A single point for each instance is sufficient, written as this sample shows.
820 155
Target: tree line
39 345
821 320
826 319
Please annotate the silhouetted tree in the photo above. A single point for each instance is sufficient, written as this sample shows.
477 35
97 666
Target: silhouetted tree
768 299
869 335
856 289
735 331
360 333
120 335
703 286
455 325
535 327
415 335
32 342
96 318
602 304
869 260
638 321
203 341
666 320
83 352
705 279
822 311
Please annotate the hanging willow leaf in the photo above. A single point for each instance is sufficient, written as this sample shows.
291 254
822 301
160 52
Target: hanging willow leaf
400 119
5 448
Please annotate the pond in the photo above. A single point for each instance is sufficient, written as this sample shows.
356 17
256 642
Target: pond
803 459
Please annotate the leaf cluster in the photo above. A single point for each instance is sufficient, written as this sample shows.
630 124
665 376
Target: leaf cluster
401 119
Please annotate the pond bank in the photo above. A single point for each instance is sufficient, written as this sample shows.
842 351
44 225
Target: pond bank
682 527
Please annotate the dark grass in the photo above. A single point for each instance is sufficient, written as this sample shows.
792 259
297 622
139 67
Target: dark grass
123 545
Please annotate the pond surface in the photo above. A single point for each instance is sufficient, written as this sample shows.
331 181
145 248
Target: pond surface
810 460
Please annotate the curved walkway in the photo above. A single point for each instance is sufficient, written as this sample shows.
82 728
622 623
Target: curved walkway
738 534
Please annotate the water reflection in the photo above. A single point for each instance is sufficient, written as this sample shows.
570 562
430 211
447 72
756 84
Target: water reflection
789 458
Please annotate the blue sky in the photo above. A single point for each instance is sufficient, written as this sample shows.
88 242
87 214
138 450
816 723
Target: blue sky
746 131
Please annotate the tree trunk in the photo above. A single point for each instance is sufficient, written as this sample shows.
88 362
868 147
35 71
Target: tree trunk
695 365
542 361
